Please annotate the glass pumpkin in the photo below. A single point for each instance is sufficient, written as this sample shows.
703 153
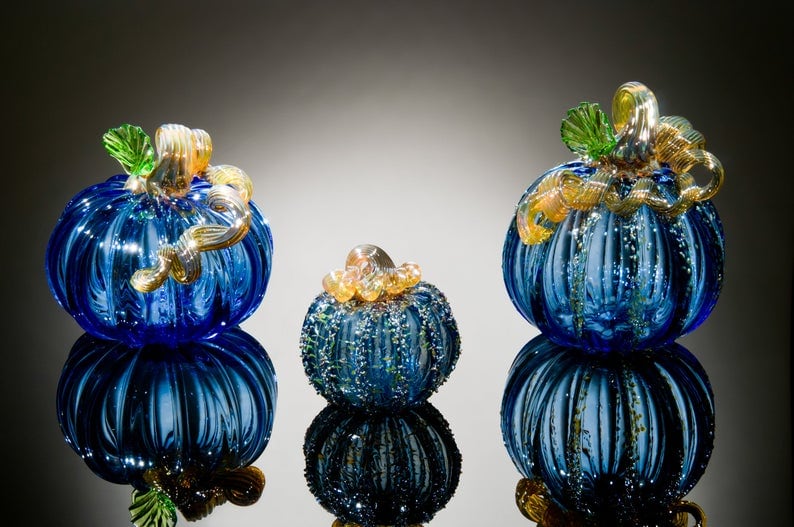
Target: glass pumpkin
621 249
618 438
172 252
394 469
383 354
188 420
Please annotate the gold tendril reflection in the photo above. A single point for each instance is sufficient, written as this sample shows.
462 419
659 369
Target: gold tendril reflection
534 503
644 143
196 493
683 509
184 153
536 506
370 274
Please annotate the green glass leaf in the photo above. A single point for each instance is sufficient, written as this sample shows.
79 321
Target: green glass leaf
131 147
152 509
586 131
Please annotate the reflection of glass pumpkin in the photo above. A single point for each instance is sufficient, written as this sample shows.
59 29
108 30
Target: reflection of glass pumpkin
384 469
184 418
613 436
384 354
113 249
620 250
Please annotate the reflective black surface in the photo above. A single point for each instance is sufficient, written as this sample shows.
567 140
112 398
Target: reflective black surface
415 126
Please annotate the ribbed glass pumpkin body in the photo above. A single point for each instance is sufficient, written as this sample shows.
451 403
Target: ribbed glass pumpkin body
106 233
386 469
604 281
382 355
204 406
616 437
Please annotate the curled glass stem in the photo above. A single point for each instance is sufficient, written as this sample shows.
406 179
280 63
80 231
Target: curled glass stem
370 274
645 143
636 113
184 153
181 153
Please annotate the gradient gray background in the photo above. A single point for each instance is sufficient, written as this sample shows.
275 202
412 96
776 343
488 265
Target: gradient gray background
415 126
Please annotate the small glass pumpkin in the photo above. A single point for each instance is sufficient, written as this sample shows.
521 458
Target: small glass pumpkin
173 252
383 469
621 249
616 438
378 338
180 424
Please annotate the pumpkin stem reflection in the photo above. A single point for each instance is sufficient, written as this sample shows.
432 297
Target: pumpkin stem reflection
534 503
196 492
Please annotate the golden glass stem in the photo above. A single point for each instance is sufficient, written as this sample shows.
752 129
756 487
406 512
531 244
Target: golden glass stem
183 153
370 274
646 142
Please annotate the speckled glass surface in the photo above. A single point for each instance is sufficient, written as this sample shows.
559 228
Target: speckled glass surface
382 355
201 406
618 437
394 469
609 282
106 233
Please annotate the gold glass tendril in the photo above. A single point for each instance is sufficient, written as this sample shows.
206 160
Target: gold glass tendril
534 503
644 142
370 274
182 153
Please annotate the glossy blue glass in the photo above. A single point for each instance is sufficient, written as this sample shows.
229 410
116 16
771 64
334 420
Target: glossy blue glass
617 437
382 469
106 233
609 282
383 355
199 408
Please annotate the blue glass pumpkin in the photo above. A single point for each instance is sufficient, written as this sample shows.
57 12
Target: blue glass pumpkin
188 420
385 354
616 437
620 250
381 469
173 252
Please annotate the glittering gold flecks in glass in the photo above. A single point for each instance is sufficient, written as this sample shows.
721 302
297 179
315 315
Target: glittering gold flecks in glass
645 142
182 154
370 274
